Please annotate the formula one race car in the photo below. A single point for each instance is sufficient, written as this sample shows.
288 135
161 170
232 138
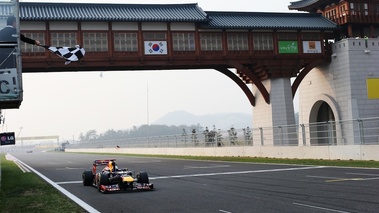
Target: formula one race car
111 178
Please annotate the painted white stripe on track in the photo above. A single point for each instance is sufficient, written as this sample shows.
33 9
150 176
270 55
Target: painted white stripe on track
224 211
322 177
318 207
61 189
240 172
217 173
21 166
17 162
69 182
364 174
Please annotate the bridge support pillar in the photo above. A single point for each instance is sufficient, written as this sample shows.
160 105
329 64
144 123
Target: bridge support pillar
276 120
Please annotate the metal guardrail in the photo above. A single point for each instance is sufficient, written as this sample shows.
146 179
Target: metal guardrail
331 133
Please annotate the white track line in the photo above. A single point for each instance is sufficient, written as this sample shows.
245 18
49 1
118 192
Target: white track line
224 211
21 166
318 207
322 177
17 162
69 182
61 189
217 173
240 172
364 174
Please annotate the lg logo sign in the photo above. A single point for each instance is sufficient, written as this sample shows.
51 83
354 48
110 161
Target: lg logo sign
7 138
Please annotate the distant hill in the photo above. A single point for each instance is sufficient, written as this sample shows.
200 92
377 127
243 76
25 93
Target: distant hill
221 120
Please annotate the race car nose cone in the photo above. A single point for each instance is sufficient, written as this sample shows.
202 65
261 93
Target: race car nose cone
127 179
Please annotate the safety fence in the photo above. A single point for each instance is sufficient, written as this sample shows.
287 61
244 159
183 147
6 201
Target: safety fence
331 133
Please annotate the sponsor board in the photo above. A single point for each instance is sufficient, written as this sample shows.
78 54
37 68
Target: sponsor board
7 138
312 47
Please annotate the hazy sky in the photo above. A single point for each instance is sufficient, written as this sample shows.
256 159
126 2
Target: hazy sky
67 104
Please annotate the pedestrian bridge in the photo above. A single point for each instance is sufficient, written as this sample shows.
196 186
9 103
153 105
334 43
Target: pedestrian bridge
257 48
132 37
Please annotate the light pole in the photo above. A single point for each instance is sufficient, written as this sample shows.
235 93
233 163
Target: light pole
19 132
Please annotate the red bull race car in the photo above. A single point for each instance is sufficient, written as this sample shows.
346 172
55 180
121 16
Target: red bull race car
107 177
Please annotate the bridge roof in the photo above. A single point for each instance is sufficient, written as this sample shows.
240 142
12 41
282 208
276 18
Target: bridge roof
256 20
310 5
33 11
301 3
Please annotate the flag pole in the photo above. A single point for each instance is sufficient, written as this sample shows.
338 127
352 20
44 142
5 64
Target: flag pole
147 107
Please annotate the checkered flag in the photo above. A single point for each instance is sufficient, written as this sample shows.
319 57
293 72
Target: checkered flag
67 53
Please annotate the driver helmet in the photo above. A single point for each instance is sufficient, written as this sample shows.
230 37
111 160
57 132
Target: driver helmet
112 166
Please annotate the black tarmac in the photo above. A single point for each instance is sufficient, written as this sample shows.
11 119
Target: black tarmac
219 187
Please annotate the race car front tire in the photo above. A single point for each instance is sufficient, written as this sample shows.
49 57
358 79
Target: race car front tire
104 179
87 177
142 177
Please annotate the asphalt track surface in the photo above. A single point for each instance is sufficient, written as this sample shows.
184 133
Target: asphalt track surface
218 187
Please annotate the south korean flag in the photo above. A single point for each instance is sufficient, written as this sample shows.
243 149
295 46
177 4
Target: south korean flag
155 47
68 53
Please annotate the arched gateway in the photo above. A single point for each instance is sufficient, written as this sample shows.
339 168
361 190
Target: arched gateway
341 90
262 49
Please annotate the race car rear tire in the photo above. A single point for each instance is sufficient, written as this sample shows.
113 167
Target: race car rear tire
142 177
104 179
87 177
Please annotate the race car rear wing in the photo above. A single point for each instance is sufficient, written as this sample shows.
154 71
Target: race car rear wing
103 162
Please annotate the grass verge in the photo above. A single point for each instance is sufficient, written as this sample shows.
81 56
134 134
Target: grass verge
314 162
26 192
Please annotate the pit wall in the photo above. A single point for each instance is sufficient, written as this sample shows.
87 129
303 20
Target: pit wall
348 152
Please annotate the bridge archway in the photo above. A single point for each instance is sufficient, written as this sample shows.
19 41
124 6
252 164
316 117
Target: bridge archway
322 124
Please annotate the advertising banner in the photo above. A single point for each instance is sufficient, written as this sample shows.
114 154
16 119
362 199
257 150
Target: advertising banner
7 138
155 47
288 47
312 47
372 88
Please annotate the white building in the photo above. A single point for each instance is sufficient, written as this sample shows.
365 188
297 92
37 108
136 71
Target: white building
344 90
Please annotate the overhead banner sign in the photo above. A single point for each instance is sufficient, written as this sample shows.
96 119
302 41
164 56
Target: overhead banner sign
312 47
155 47
7 138
288 47
9 86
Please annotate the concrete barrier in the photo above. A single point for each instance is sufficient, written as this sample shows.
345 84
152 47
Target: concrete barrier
347 152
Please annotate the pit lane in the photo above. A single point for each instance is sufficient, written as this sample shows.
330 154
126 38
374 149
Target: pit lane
209 186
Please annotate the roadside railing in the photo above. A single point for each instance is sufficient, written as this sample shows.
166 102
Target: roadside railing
330 133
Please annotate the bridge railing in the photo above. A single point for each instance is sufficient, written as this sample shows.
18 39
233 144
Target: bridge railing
331 133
